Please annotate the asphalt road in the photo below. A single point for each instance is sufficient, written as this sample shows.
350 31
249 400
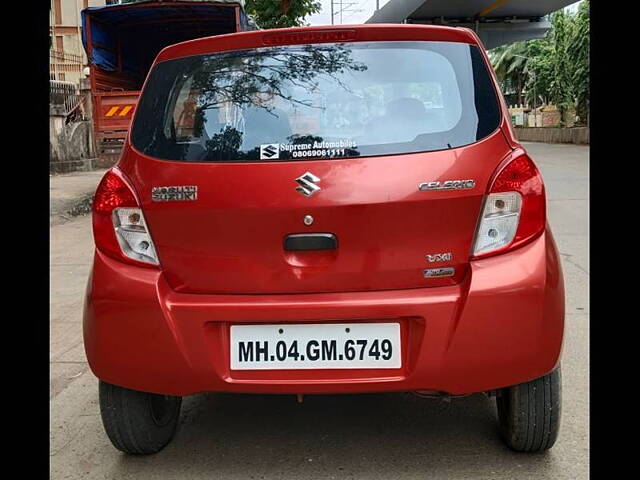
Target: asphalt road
327 437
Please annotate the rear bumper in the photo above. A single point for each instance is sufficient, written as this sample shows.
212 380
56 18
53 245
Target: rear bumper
502 326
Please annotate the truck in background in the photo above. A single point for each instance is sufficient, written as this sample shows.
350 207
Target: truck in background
121 42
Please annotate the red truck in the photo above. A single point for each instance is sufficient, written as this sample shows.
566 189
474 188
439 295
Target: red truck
121 42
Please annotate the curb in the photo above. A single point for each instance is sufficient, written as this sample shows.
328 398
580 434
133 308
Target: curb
78 207
82 206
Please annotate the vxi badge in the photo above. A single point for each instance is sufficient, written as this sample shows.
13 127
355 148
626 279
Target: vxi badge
447 185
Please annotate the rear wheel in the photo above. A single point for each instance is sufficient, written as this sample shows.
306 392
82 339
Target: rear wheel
529 413
138 422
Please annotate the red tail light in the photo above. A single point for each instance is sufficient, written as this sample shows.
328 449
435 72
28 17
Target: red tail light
119 227
515 208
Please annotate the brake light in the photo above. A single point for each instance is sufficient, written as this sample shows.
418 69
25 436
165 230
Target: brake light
514 212
313 36
119 227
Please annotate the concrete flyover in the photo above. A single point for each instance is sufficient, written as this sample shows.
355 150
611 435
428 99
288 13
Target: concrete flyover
496 22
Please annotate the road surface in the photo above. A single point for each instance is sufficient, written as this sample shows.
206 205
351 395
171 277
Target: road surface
327 437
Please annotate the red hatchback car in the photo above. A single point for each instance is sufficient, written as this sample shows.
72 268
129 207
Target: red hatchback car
323 210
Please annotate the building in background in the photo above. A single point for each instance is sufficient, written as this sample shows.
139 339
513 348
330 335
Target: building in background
67 57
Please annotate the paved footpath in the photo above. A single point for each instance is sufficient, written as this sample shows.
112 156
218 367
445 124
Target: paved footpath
67 191
391 436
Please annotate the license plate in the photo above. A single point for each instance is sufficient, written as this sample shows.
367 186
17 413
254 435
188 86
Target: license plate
315 346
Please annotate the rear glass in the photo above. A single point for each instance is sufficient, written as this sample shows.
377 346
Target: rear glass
316 101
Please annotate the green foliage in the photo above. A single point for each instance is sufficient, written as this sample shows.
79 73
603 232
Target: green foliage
578 50
540 72
281 13
561 88
509 62
554 69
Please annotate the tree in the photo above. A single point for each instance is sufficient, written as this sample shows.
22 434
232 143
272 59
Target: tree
539 70
281 13
509 62
242 79
250 80
561 93
578 49
554 69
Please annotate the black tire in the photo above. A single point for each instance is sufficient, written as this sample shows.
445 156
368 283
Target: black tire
138 423
529 413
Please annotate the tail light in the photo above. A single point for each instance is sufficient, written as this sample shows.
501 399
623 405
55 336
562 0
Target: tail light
514 211
119 227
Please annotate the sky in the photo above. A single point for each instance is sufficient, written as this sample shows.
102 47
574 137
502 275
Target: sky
366 7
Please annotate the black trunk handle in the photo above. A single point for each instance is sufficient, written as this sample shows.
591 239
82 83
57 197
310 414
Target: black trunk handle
311 241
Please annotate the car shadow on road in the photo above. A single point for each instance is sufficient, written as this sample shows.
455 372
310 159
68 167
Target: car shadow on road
338 436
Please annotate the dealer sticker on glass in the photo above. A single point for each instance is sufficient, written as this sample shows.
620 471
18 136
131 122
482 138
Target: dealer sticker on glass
315 346
315 149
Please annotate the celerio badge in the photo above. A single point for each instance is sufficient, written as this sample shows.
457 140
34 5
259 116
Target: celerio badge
447 185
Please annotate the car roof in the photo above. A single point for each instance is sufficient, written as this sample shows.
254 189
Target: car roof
319 34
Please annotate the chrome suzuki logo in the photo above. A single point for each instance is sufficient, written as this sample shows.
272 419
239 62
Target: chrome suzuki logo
307 182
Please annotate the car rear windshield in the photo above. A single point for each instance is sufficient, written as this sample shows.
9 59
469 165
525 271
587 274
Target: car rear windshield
317 101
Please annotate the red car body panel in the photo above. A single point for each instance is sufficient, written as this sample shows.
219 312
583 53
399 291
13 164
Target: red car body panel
371 205
497 323
501 326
